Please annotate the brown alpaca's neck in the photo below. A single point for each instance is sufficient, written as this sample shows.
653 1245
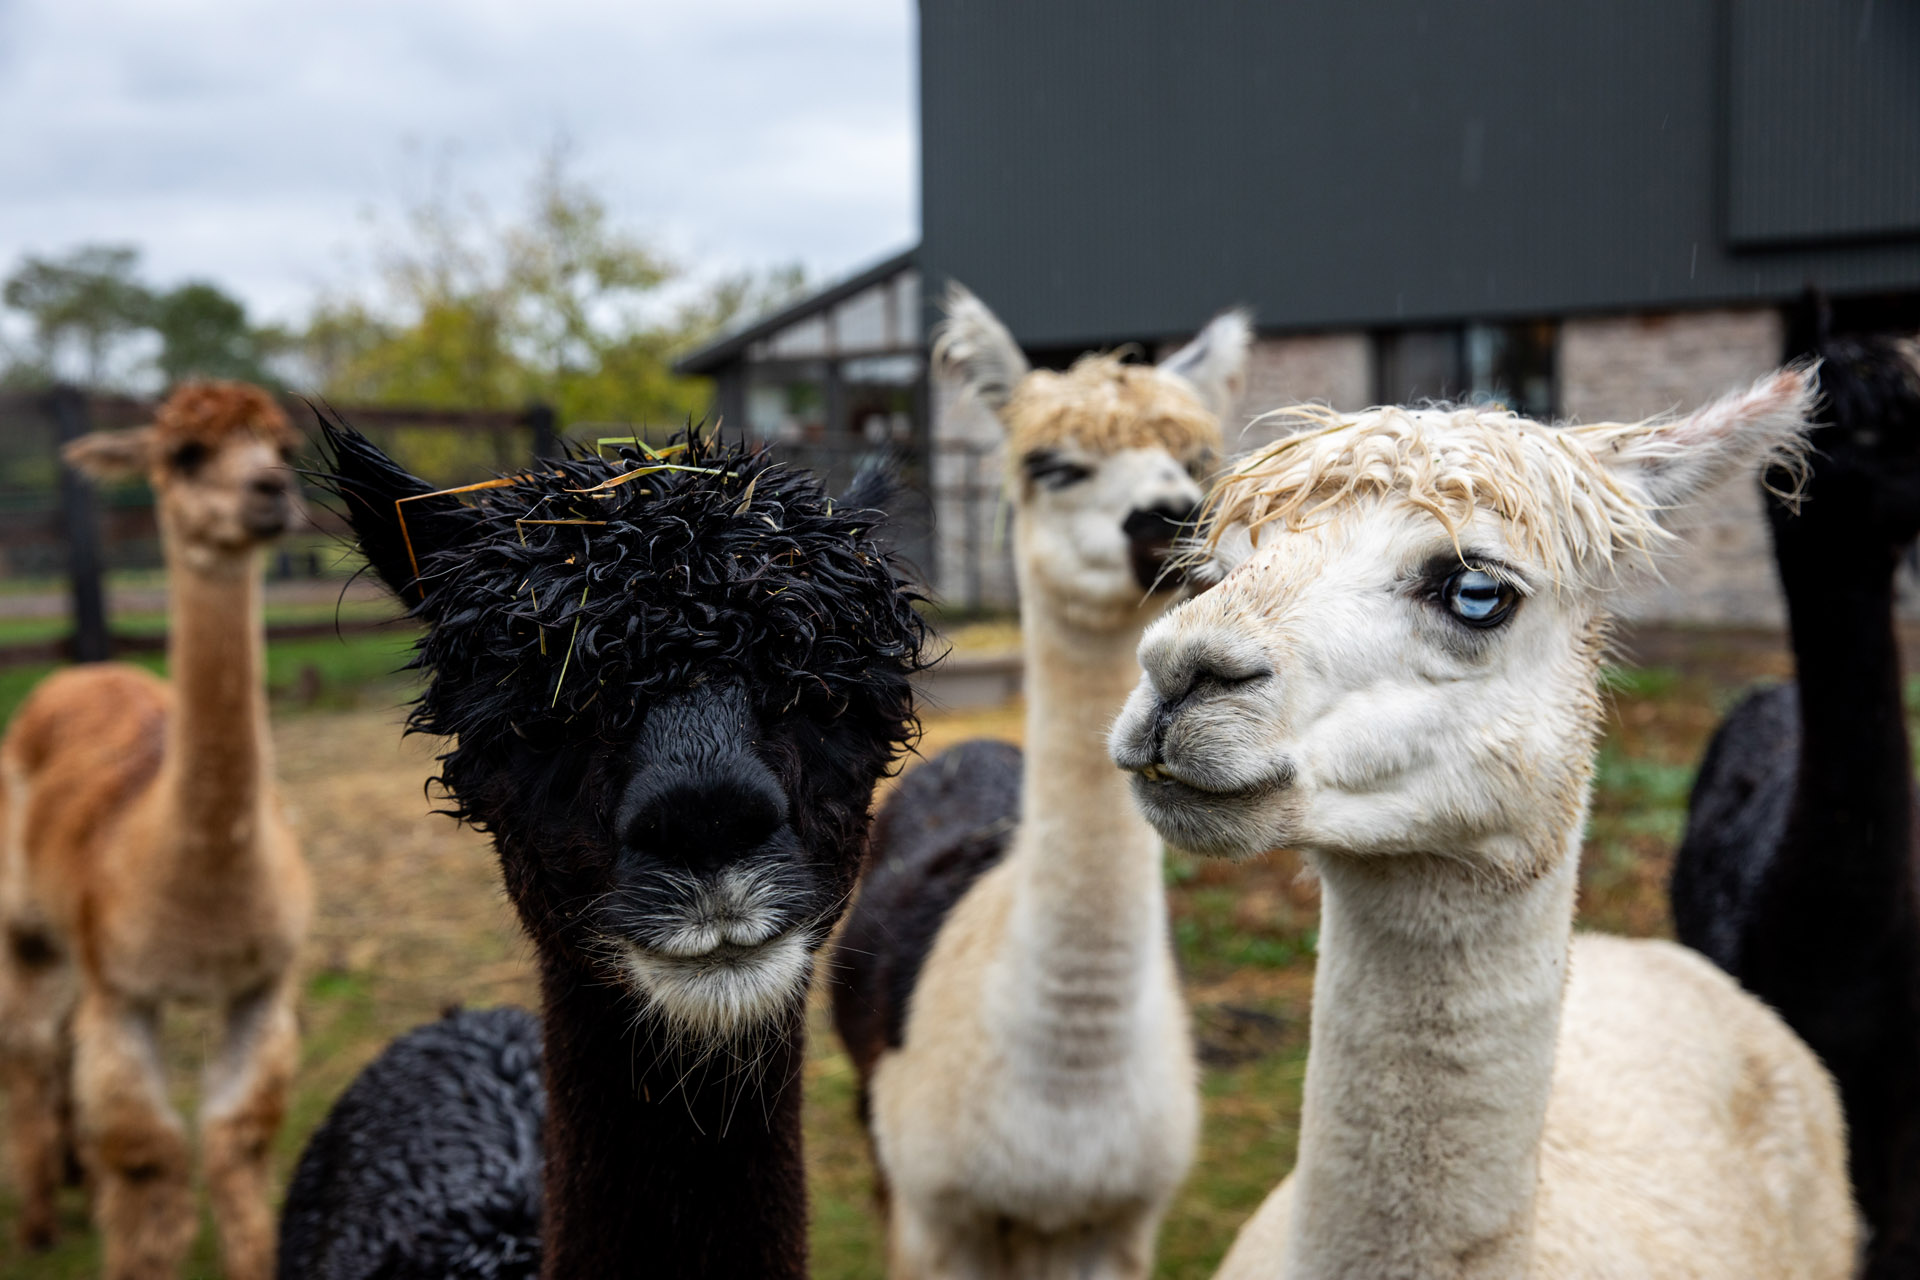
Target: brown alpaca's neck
218 749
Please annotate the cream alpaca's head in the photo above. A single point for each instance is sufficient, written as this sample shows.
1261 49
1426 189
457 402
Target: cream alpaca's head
1402 652
219 458
1106 461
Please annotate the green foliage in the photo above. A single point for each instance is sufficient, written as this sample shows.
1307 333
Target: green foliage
560 305
92 296
204 333
89 295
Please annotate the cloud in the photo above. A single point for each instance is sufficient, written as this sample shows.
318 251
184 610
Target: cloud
244 142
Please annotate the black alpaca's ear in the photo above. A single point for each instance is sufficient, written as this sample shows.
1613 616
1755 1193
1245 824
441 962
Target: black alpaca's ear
370 486
874 485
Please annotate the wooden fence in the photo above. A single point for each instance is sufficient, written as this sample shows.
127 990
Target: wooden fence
70 524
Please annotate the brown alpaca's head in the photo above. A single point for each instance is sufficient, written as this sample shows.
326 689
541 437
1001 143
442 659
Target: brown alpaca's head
218 455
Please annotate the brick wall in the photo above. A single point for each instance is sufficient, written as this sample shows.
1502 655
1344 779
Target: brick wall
1336 368
1623 368
972 555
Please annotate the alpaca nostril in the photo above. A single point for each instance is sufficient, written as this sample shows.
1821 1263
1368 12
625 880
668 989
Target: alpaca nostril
270 486
1160 523
706 823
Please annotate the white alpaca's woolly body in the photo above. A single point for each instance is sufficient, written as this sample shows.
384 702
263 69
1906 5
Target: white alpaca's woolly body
1485 1095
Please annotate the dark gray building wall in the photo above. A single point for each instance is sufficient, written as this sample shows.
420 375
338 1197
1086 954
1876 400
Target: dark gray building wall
1121 169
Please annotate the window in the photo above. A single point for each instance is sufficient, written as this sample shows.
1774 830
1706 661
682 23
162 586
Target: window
1509 364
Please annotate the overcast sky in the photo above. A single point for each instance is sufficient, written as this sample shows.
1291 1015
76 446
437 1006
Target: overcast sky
247 141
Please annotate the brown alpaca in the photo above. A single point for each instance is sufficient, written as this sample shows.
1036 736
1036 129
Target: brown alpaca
145 860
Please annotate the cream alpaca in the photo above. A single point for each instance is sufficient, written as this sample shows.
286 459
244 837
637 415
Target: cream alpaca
146 861
1397 674
1033 1106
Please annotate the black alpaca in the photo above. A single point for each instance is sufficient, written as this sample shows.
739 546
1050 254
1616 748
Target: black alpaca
672 684
1796 873
945 826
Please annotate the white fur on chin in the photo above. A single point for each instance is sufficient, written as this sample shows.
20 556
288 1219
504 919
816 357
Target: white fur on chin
725 993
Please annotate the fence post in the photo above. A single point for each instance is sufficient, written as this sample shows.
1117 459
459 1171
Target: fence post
67 406
546 439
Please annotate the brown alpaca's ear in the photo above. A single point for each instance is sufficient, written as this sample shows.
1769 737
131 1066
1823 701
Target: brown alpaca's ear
111 455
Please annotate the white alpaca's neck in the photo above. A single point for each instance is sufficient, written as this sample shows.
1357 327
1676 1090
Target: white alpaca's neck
217 757
1436 1005
1088 920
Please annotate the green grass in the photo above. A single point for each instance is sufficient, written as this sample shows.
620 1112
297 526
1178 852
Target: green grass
1245 934
154 622
326 672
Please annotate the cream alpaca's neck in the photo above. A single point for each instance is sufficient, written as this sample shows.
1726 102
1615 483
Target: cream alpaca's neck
1086 936
1436 1006
218 750
1082 845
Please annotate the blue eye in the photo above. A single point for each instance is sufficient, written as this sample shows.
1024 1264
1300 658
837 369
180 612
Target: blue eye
1479 599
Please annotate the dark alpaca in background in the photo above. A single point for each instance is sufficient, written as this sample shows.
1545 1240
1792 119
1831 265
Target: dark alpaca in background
672 685
1796 873
428 1166
943 827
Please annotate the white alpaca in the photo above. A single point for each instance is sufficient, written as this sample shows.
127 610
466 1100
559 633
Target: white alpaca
1034 1105
1397 675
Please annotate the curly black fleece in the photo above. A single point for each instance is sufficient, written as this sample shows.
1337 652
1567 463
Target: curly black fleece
428 1166
548 647
557 636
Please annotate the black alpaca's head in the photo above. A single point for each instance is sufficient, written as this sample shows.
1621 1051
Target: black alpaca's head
1869 449
672 684
1864 478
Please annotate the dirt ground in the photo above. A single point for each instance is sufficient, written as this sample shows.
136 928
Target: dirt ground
412 919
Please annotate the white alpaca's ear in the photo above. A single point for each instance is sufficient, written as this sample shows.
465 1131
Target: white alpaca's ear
1669 464
1215 362
111 455
972 347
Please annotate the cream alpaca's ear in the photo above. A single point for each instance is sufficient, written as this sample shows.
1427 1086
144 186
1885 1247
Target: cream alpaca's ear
972 347
1215 362
1667 465
111 455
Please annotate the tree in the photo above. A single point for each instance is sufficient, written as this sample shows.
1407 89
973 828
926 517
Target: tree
560 305
204 333
90 296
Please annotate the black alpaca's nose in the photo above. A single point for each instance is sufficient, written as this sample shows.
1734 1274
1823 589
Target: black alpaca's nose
704 822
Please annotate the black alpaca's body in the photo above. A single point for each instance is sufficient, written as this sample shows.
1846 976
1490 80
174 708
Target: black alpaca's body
1797 870
672 683
946 825
428 1167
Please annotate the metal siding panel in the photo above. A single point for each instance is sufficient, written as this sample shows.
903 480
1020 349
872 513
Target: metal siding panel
1122 169
1823 120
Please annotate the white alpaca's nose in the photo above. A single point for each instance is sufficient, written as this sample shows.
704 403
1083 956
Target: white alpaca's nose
1183 671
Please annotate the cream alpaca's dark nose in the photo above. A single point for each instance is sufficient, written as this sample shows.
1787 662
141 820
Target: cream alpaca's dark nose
1161 522
1150 532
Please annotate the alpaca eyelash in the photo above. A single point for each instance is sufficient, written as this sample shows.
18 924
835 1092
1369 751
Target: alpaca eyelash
1430 581
1051 471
